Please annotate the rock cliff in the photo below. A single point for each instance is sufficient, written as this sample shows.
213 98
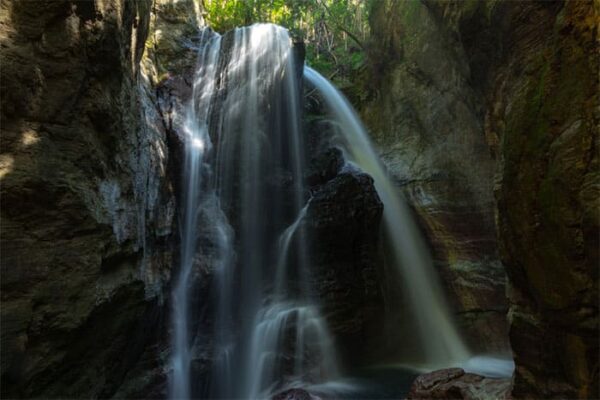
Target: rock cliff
344 220
492 108
425 113
486 114
87 206
544 109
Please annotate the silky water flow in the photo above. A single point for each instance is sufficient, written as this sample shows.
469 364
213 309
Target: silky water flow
245 163
440 344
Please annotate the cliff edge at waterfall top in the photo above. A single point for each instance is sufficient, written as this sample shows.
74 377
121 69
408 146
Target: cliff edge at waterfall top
299 200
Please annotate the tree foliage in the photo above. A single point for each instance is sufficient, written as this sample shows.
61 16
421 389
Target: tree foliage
334 31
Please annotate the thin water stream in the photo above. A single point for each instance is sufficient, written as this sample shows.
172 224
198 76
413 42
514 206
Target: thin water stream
441 345
197 144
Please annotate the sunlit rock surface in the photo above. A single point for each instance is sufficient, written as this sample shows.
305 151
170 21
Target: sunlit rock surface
172 44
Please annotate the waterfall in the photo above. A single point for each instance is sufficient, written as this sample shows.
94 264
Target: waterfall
441 344
244 177
197 143
284 243
259 178
245 202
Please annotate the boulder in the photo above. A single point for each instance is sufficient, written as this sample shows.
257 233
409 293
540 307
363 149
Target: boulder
295 394
454 383
343 218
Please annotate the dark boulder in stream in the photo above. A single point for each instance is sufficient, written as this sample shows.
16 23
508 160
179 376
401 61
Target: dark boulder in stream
344 217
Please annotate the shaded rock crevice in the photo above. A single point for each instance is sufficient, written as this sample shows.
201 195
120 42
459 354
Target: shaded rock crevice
344 217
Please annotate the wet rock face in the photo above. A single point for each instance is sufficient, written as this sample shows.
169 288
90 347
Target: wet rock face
426 117
86 206
454 383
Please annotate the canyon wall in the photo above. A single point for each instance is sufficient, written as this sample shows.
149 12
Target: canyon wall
425 114
489 110
544 108
485 113
87 206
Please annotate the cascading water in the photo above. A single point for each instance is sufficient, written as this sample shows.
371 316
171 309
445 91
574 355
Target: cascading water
259 178
244 184
283 249
441 344
268 331
197 143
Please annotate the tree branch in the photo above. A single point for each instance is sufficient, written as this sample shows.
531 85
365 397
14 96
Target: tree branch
341 28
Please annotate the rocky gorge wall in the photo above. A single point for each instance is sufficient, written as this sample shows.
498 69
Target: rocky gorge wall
426 116
489 110
545 110
87 206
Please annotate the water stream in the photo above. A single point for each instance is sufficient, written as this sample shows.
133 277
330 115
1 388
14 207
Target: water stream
441 344
268 331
